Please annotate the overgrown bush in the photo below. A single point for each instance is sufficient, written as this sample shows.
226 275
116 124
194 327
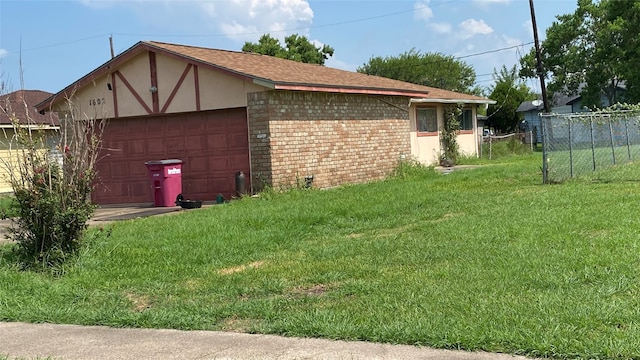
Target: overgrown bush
449 135
52 189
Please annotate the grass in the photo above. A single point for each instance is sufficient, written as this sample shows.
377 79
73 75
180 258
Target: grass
7 206
483 259
584 160
498 151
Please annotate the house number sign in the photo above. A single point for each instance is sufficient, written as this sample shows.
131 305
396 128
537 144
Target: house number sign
98 101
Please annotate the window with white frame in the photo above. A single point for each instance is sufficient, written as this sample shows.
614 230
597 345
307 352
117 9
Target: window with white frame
427 119
466 119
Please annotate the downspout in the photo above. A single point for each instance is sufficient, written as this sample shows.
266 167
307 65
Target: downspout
249 142
475 131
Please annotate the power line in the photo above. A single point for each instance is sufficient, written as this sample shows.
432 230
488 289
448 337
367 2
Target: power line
414 9
63 43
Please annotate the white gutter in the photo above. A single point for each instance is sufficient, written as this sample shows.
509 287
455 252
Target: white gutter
30 126
450 101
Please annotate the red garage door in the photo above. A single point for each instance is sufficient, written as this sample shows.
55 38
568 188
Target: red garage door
212 144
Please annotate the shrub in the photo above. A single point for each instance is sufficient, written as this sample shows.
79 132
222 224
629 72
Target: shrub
449 135
52 189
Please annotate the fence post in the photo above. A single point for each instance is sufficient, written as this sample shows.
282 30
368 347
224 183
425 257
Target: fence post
613 146
593 144
490 138
626 133
545 143
570 148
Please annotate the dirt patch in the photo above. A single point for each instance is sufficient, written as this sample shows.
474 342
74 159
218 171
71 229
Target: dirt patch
240 268
315 290
140 302
233 324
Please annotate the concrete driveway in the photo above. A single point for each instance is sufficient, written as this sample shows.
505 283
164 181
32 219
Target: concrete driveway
109 213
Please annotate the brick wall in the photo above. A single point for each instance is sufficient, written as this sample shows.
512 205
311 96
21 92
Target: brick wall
336 138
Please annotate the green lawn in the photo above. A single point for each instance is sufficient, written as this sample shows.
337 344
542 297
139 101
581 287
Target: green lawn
6 206
484 259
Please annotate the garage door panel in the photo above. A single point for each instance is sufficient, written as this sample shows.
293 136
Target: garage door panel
197 143
175 145
217 141
175 127
138 170
197 165
155 146
237 140
137 147
212 144
238 161
119 169
219 162
226 184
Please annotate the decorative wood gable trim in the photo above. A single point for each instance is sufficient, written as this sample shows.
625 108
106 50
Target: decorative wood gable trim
133 91
176 88
154 82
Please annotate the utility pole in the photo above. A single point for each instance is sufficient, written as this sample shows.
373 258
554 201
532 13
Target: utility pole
545 101
543 87
111 46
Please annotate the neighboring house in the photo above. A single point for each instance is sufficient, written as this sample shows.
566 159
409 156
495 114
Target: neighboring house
21 106
561 104
277 121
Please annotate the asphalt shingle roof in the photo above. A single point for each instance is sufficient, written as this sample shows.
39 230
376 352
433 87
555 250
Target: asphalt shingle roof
287 74
21 104
275 73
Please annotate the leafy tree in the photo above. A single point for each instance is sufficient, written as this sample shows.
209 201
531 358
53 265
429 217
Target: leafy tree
298 48
624 20
591 51
508 92
429 69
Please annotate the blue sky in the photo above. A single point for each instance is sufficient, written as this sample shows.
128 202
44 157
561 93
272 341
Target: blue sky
61 41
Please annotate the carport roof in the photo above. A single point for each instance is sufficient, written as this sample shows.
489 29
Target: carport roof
278 74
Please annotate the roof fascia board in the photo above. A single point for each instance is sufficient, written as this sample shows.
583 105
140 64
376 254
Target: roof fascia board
452 101
347 90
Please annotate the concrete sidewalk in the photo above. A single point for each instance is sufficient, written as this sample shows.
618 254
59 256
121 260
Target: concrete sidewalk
69 342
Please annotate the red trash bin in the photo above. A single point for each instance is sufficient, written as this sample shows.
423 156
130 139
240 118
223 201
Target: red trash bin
166 181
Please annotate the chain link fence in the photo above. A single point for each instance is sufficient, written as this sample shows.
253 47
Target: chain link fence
578 144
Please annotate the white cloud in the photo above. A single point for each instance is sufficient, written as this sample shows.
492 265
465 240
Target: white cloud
99 4
422 11
441 28
3 53
472 27
483 2
249 19
241 20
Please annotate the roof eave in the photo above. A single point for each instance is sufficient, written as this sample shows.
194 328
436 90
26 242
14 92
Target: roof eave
65 93
452 101
347 90
138 47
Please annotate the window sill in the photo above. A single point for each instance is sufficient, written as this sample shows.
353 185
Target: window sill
427 133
